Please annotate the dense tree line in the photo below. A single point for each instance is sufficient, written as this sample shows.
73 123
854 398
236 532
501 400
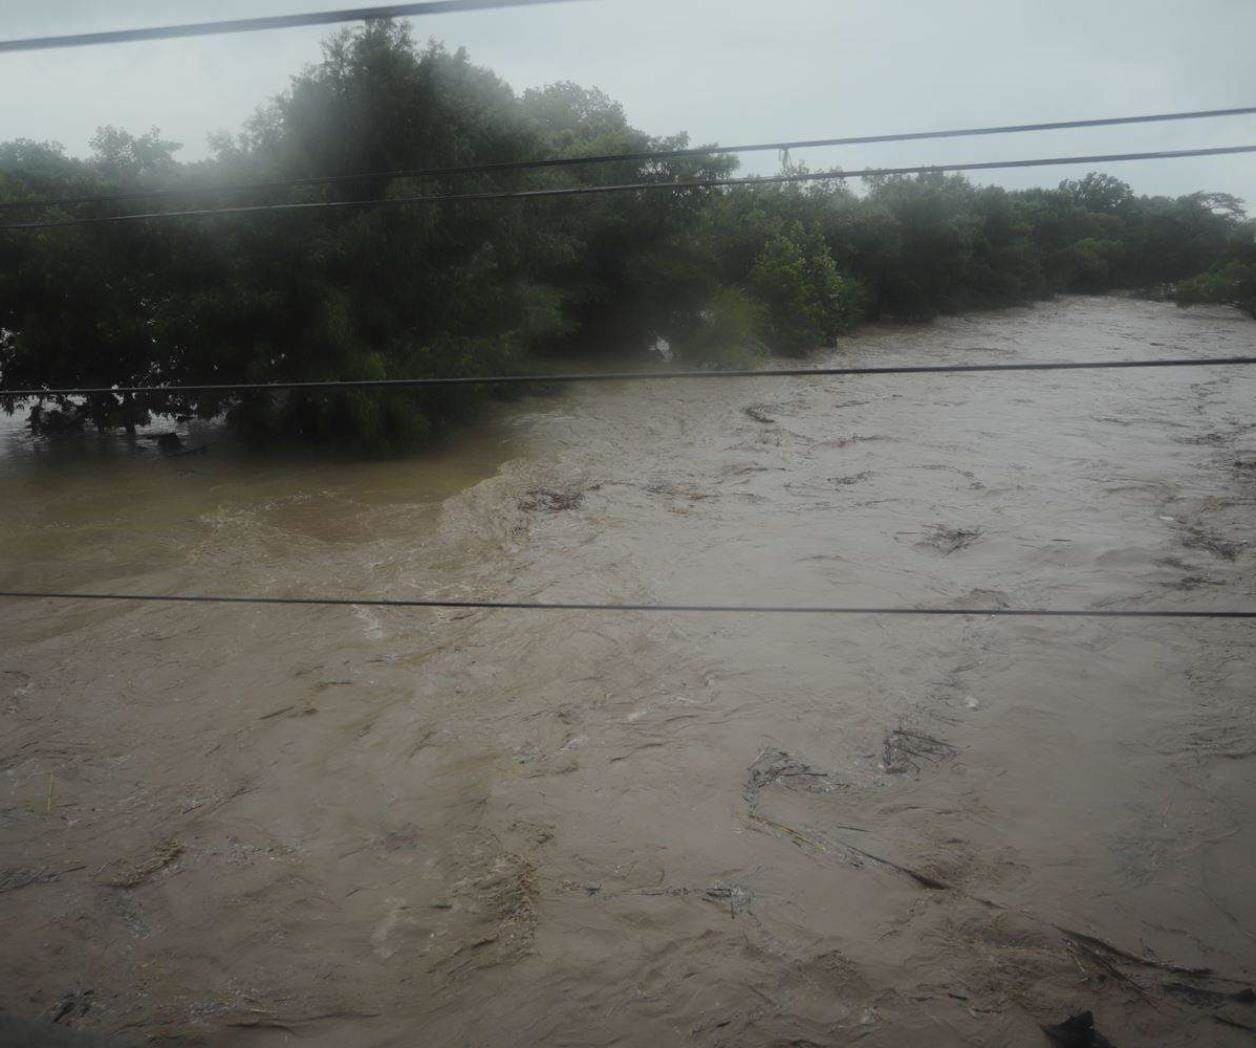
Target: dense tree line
721 275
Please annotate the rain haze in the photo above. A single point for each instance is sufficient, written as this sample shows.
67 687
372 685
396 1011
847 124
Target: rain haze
747 72
467 579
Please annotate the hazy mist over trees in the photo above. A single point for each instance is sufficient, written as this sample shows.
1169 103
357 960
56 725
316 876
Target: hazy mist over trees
475 288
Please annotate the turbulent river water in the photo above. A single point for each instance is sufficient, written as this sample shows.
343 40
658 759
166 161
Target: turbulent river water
236 825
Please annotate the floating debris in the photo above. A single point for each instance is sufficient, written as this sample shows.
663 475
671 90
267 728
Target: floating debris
73 1006
135 870
900 751
949 540
1210 998
1210 542
734 896
777 766
13 879
551 501
1077 1031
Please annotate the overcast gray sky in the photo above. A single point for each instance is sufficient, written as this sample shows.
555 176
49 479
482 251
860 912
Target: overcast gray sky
736 70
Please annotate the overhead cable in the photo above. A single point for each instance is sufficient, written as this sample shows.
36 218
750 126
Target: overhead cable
253 25
645 156
619 376
733 609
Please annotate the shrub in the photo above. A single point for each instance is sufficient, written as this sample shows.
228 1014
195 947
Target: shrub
1232 284
807 302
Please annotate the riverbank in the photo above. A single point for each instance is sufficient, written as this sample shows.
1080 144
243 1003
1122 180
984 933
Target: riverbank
240 825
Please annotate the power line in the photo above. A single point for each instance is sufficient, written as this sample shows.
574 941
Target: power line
630 187
732 609
620 376
612 158
253 25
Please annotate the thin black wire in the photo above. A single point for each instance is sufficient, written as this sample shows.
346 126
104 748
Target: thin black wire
612 158
253 25
733 609
629 187
622 376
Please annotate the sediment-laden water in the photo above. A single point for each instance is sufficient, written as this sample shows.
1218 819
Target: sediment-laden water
230 825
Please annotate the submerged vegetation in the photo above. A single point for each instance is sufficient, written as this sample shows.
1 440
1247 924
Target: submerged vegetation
1231 282
460 289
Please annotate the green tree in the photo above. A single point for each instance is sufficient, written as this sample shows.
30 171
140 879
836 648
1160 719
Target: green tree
807 302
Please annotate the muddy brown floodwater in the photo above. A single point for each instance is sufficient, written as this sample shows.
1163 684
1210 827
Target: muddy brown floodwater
233 825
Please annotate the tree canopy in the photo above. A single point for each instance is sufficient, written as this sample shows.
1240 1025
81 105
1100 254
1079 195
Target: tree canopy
485 287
